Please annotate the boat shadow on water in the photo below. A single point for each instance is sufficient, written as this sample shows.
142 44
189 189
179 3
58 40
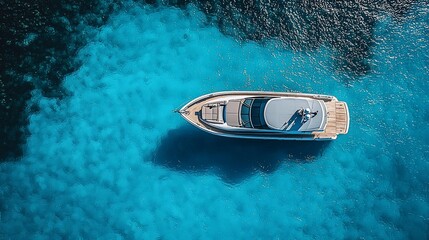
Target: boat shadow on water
190 150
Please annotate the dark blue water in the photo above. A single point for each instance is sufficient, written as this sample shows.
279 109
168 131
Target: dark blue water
112 161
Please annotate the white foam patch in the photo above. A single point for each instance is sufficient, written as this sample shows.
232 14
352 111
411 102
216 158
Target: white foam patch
87 171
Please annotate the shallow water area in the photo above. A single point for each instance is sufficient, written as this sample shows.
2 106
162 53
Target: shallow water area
113 161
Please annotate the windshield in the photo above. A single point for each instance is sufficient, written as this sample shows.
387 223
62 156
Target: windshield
252 113
245 113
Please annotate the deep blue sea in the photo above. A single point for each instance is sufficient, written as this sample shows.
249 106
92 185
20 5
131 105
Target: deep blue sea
112 161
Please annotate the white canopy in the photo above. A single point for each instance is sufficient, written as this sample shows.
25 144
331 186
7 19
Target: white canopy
282 114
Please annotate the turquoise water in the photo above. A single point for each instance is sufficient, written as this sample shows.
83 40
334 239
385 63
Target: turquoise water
113 161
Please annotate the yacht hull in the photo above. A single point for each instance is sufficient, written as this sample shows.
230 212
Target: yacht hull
337 116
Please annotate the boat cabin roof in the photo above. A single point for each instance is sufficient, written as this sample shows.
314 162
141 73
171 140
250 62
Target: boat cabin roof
284 114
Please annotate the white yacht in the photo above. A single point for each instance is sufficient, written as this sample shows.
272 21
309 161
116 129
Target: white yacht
268 115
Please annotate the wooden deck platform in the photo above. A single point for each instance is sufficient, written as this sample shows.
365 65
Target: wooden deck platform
337 120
